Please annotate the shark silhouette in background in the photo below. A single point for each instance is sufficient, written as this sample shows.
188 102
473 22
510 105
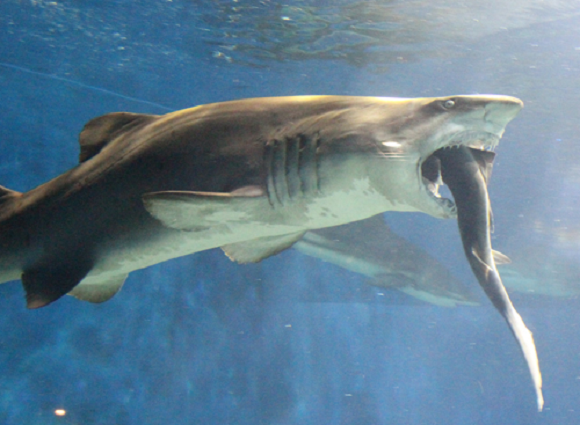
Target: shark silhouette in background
253 176
370 248
549 266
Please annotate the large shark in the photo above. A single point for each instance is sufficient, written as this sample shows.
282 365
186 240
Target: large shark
370 248
250 176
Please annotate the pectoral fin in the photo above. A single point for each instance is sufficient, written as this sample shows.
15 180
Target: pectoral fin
500 258
101 292
200 210
258 249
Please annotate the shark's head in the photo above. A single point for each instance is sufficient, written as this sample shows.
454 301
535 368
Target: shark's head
412 130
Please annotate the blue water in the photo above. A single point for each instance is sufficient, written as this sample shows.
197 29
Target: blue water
202 340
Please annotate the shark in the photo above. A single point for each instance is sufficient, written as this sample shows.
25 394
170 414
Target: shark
368 247
466 172
251 176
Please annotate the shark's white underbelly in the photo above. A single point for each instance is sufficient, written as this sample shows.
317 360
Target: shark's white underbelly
357 203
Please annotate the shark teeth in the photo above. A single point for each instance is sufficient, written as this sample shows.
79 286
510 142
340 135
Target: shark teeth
472 139
430 168
446 204
432 187
431 175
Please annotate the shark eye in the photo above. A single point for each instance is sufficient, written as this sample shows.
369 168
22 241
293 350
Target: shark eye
448 104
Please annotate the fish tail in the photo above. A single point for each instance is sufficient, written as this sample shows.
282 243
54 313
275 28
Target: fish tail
526 340
521 333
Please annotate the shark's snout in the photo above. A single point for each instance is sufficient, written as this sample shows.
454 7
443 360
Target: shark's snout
500 111
475 121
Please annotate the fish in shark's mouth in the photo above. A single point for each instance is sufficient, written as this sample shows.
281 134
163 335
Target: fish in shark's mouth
479 143
466 171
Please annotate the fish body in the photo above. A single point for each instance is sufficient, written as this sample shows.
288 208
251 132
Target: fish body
466 172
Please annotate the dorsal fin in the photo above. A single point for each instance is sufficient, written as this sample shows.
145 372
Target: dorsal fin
99 131
7 195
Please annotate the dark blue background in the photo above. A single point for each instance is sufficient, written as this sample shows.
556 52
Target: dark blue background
201 340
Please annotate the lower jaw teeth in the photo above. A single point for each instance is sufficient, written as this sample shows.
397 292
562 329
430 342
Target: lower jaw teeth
434 189
451 206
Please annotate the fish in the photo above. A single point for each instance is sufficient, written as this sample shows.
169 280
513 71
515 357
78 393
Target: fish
251 176
370 248
466 172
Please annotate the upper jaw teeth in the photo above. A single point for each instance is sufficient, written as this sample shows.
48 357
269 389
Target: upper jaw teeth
473 139
479 146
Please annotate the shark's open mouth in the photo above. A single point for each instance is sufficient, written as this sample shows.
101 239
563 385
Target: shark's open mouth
431 168
431 174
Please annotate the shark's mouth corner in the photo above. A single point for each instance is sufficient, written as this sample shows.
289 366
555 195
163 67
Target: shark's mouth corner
430 168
